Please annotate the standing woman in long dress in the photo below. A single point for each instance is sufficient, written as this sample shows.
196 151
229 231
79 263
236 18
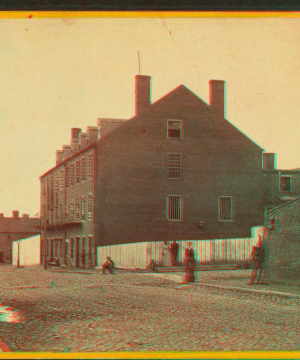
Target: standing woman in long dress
166 259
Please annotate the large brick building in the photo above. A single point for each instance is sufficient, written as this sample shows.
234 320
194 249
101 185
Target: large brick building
176 170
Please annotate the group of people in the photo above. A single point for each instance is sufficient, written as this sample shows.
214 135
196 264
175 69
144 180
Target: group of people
170 258
170 254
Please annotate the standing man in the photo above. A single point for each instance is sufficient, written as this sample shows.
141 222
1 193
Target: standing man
189 262
258 259
174 253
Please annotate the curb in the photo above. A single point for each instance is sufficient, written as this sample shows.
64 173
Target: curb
4 347
178 279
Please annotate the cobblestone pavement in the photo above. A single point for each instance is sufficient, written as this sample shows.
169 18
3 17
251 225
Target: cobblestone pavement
139 312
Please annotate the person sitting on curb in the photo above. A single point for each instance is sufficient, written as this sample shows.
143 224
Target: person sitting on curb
109 265
151 266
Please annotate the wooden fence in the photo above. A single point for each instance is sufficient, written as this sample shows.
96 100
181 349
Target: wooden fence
138 255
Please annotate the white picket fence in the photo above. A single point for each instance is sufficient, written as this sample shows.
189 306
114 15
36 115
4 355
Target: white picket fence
206 251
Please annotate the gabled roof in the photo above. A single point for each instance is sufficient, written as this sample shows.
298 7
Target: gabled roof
188 97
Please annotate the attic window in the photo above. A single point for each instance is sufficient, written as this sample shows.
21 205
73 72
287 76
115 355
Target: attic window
174 129
286 183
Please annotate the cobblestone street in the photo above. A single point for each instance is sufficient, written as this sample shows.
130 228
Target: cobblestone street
72 312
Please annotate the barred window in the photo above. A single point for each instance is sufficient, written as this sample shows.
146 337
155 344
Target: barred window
174 208
77 208
286 183
174 129
78 172
83 208
67 212
90 206
83 169
62 180
72 175
226 208
174 165
72 210
90 165
67 176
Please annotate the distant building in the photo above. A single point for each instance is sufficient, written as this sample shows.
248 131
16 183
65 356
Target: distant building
176 170
283 185
283 245
16 228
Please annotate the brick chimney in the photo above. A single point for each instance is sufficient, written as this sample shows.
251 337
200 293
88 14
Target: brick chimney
217 97
269 161
142 93
67 149
92 132
83 140
15 214
59 156
75 132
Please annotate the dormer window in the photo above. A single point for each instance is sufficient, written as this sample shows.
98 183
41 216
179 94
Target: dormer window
286 183
175 129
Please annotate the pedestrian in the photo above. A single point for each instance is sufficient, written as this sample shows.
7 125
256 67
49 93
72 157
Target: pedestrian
190 263
82 263
257 259
166 259
151 266
174 253
108 265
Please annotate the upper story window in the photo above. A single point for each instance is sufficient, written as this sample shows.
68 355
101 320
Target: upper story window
226 208
174 165
78 172
286 183
83 169
67 176
174 207
62 179
90 165
72 175
175 129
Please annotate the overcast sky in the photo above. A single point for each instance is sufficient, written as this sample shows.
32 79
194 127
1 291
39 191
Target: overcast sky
62 73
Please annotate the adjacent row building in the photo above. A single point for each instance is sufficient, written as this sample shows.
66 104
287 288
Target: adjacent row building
176 170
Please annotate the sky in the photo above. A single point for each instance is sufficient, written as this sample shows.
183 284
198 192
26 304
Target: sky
59 73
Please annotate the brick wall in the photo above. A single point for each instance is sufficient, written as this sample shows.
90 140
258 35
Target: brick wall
12 229
217 160
283 244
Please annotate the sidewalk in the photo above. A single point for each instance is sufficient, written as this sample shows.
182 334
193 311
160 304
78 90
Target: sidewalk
234 280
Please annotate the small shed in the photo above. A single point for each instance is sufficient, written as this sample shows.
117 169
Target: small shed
283 243
27 251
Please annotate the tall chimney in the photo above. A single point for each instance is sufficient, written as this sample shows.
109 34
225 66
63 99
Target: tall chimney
269 162
75 132
83 140
67 149
59 156
15 214
217 97
142 93
92 132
